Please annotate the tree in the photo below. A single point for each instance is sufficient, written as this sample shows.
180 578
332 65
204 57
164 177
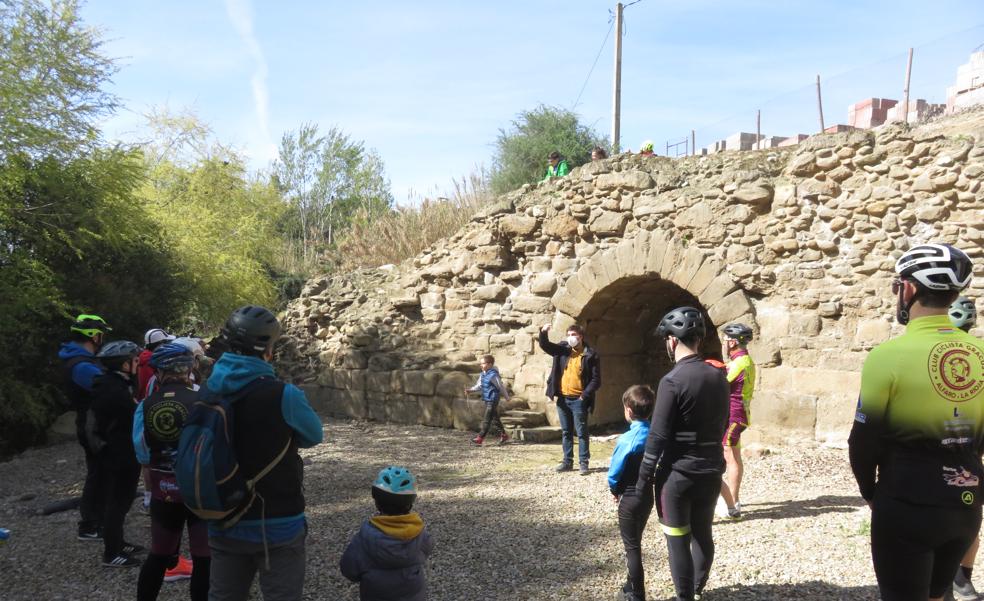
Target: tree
52 75
521 153
328 180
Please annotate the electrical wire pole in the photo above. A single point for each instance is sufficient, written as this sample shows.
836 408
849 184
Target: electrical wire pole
617 91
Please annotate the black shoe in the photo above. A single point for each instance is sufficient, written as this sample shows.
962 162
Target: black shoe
584 469
121 561
90 534
132 548
564 467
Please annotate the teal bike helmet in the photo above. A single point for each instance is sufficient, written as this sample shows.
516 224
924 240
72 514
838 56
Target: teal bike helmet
963 313
394 490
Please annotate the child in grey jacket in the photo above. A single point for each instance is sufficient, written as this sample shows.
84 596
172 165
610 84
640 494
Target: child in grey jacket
386 557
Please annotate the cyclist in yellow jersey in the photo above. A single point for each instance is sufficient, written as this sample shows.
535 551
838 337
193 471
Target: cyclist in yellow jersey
741 379
963 315
918 433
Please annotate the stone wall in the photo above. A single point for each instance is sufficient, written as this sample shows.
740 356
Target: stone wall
797 243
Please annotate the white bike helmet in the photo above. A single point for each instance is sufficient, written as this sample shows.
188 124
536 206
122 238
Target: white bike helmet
936 267
963 313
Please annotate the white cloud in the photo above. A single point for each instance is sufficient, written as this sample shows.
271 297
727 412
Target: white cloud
241 15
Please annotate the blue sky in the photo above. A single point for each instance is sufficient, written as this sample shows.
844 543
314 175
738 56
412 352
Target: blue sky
429 84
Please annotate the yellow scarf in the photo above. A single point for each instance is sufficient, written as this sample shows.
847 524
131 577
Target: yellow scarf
403 527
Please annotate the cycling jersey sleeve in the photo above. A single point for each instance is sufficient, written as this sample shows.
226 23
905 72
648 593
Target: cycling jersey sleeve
864 443
660 430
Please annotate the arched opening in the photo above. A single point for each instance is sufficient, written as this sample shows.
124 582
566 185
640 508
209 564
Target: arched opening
620 322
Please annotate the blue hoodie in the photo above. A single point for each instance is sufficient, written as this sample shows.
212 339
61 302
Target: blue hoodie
231 373
84 373
627 456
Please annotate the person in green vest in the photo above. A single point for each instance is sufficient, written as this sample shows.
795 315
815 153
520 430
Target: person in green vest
556 166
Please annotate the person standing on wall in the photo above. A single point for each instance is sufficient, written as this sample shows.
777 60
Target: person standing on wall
683 455
575 377
918 434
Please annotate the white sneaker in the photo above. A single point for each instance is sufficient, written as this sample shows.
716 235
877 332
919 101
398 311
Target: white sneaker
721 510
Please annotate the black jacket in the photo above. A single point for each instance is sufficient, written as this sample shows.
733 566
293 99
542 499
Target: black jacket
590 369
113 406
689 420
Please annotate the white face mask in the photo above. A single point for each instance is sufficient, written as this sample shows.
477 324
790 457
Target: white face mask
573 341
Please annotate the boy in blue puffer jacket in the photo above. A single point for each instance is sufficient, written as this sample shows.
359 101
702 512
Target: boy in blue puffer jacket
386 557
493 390
634 506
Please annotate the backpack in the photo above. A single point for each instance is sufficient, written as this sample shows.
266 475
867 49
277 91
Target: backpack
205 466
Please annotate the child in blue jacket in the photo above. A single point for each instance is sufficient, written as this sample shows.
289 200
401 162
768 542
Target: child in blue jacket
493 391
386 557
634 506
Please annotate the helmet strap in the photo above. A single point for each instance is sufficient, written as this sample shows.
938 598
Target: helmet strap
670 350
901 307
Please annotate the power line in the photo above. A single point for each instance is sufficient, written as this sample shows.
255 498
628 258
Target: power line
595 63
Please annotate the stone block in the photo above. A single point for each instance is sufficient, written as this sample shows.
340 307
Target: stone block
432 300
625 180
729 307
532 304
491 293
351 379
657 251
378 381
543 284
479 344
517 225
610 223
326 377
792 412
435 411
318 397
353 359
760 196
453 384
835 416
720 286
420 382
687 266
351 403
872 332
383 362
491 257
376 406
563 227
467 414
403 410
708 270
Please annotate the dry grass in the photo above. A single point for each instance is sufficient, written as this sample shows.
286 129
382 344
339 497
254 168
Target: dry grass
407 231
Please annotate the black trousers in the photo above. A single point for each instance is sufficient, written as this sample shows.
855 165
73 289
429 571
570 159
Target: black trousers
92 507
686 510
633 514
120 475
916 549
491 420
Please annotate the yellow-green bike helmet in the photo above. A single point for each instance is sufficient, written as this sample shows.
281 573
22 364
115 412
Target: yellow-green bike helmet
90 325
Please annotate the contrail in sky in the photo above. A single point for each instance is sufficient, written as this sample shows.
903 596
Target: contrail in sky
241 14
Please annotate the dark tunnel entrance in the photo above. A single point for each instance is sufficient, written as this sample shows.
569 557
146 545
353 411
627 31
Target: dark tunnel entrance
620 323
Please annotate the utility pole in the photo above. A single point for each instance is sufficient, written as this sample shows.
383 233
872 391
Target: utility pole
905 92
820 105
617 91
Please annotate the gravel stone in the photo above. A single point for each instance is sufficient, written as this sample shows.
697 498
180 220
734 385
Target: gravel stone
505 525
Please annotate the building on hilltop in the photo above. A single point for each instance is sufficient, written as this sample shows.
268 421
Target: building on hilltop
969 88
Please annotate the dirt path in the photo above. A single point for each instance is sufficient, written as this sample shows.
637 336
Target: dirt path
505 525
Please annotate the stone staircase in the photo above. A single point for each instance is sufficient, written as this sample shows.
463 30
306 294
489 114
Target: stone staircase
529 426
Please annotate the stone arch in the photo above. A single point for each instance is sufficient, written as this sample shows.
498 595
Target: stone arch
620 294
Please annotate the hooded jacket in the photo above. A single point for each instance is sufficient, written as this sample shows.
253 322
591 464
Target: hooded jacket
264 420
81 368
386 557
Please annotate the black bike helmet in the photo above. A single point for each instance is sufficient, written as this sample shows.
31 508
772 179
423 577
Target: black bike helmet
739 332
683 323
251 329
119 350
936 267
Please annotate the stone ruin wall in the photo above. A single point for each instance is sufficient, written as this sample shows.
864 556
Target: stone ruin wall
799 244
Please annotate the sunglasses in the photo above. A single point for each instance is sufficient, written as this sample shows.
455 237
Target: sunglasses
897 285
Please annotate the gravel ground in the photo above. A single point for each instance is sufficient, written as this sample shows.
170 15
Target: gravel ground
505 525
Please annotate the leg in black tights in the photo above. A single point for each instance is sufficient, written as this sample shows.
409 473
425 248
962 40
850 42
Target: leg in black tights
152 576
686 511
633 513
199 577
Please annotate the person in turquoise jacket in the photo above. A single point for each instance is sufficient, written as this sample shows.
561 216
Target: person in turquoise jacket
556 166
